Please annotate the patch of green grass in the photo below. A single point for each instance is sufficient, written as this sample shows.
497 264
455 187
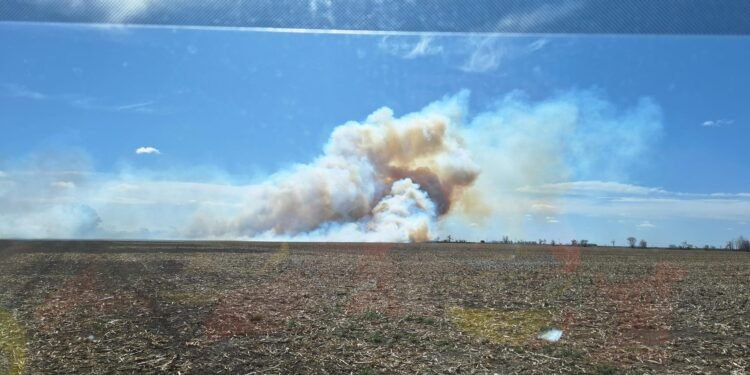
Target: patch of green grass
12 343
501 327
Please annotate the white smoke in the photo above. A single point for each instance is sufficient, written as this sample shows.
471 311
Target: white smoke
370 173
387 178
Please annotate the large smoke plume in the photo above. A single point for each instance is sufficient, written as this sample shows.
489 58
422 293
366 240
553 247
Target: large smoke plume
387 178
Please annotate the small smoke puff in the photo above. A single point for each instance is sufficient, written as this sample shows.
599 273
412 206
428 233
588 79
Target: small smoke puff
147 150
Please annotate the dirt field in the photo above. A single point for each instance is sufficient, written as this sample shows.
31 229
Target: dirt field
236 308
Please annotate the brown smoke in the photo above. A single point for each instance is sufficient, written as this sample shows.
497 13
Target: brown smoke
386 178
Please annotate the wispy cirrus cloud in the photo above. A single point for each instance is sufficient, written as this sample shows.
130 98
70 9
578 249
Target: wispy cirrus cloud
474 54
79 101
716 123
143 107
591 187
488 53
614 199
409 47
20 91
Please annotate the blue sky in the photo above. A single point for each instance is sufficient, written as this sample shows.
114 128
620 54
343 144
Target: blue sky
231 108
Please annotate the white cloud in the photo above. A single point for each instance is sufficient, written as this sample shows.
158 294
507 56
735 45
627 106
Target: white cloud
614 199
407 48
668 205
646 225
147 150
590 187
552 220
716 123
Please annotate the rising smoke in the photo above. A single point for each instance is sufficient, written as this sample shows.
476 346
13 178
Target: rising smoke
387 178
383 179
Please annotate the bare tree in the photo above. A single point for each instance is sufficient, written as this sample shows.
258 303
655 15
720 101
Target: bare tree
574 243
584 243
631 241
742 244
643 244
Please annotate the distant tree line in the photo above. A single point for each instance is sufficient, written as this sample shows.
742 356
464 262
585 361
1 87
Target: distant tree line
739 244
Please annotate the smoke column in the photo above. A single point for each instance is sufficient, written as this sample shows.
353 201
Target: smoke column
383 179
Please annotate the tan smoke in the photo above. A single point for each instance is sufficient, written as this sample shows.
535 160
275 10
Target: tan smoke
386 178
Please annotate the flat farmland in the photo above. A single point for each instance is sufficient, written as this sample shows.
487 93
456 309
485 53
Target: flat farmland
100 307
